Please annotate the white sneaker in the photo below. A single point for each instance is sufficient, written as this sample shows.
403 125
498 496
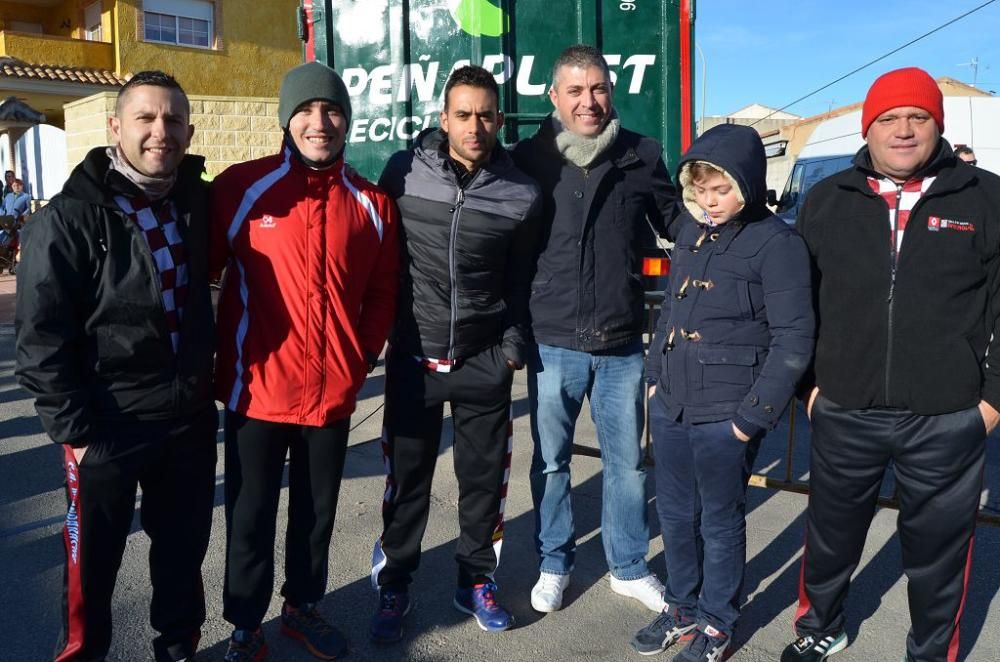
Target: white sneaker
648 590
547 593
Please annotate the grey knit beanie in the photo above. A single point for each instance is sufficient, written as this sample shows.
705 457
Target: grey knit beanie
309 81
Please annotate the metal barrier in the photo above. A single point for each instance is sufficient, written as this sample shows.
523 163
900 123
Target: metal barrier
786 483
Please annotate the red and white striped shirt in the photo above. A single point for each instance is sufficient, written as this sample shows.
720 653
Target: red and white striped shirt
907 194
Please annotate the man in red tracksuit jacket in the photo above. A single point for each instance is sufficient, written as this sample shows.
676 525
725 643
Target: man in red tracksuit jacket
306 307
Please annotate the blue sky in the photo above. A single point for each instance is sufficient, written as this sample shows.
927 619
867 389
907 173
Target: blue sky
777 51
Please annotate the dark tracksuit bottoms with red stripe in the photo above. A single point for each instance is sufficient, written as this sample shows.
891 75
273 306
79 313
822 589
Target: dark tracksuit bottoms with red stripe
479 393
174 462
938 465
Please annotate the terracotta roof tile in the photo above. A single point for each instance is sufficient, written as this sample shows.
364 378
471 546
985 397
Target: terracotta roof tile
14 68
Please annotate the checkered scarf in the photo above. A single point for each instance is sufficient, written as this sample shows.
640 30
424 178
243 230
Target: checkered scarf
159 227
906 195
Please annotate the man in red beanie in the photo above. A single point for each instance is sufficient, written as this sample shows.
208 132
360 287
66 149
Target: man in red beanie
906 257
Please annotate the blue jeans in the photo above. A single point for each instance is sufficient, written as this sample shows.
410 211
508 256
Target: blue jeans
701 482
558 381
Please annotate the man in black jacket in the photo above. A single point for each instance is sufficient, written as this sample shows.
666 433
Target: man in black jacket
906 256
602 186
114 341
470 230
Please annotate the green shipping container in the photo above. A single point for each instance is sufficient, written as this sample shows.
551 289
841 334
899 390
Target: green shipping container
396 55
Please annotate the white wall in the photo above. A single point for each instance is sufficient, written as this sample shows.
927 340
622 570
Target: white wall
40 157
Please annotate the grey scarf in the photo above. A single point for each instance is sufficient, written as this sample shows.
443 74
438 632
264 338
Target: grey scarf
580 150
154 188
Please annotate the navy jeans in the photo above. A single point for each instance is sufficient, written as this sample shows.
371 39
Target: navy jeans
558 381
701 479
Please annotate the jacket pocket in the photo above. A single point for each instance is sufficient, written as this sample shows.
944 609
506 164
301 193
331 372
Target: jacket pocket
728 370
744 299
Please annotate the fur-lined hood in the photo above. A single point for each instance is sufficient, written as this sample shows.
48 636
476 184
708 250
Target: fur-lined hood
738 152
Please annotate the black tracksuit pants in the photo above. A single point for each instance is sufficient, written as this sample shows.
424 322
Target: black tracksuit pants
479 393
174 462
255 463
938 464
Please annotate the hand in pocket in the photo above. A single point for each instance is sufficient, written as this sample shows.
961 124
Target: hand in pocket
812 400
739 434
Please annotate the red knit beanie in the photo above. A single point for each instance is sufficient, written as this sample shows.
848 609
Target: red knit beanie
903 87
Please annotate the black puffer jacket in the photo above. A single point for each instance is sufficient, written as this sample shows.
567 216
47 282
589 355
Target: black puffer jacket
92 340
932 346
587 294
736 329
467 252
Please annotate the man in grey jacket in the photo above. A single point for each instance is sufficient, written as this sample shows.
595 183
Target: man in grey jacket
470 225
600 183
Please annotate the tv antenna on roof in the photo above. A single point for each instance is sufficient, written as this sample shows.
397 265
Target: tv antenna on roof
974 65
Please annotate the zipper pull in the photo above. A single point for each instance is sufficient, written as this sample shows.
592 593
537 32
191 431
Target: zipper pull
459 200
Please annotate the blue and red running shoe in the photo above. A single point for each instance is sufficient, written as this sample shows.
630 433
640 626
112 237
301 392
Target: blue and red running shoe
480 601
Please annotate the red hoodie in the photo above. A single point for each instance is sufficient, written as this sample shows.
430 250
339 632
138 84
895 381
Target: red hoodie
313 268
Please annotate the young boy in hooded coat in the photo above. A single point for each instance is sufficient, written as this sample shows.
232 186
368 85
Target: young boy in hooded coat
734 337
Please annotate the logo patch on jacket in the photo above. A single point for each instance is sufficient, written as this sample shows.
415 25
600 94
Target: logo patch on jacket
936 223
268 222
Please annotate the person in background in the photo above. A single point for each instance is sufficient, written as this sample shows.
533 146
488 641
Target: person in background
965 153
17 202
8 179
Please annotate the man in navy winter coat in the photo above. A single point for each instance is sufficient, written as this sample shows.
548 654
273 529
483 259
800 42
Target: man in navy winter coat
600 183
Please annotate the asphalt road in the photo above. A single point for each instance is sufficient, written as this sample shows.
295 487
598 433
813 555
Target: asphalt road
595 624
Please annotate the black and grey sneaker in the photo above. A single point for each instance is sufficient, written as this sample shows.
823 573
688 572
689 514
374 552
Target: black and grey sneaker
708 645
666 630
814 648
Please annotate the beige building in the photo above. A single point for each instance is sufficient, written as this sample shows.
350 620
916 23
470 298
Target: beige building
761 117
